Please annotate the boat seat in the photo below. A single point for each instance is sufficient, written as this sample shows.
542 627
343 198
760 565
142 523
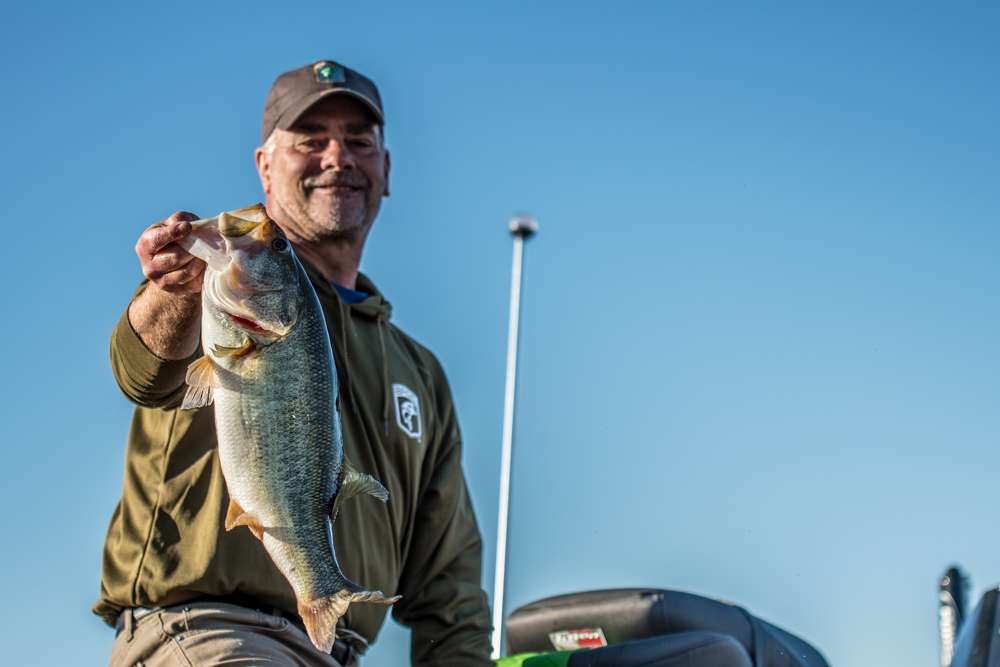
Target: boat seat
615 617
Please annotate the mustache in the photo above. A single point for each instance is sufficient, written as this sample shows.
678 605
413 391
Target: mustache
336 179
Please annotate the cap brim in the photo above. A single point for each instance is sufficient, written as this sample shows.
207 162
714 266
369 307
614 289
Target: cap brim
292 115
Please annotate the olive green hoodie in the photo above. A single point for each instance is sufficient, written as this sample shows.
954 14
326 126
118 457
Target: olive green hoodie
166 543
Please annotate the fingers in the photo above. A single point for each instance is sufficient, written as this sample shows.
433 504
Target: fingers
161 235
163 261
169 258
177 226
186 280
187 216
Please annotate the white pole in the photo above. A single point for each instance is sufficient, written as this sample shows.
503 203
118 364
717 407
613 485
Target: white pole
521 227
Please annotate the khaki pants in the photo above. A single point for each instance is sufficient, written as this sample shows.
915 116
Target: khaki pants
203 634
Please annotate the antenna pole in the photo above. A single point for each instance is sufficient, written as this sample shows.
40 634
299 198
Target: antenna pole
522 228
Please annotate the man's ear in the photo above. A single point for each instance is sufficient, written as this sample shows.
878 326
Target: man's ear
385 168
263 160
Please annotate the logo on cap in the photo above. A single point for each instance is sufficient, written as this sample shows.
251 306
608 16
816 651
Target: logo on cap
327 72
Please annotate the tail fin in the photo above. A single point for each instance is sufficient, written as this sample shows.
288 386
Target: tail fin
320 616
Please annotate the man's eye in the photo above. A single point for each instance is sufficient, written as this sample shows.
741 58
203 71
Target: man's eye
312 144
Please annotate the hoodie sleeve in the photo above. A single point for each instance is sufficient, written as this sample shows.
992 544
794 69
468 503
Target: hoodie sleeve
443 603
146 380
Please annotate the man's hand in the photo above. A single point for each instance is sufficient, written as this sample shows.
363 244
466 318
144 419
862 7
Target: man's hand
168 266
167 314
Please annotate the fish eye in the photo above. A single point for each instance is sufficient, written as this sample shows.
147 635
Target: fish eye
279 245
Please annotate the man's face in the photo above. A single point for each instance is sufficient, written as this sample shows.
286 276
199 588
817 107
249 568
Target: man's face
327 174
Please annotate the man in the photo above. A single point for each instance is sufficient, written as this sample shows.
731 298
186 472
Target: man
178 587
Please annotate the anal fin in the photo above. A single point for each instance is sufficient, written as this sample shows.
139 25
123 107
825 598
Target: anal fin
237 516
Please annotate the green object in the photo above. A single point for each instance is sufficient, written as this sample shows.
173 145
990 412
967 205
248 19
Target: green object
514 660
557 659
327 72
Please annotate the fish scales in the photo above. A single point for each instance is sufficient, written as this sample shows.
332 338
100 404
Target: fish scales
272 422
270 371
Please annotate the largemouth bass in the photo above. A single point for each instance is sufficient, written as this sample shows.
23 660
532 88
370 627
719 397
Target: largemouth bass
269 369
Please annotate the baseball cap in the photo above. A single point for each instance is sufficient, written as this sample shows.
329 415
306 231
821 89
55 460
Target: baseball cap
295 91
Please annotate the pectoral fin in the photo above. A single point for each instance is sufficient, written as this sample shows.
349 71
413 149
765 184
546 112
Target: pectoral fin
246 348
201 379
355 484
237 516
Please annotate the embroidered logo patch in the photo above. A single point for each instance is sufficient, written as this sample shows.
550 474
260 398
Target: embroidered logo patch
407 410
328 72
572 640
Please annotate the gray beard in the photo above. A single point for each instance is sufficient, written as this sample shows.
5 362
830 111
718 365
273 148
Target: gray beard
313 230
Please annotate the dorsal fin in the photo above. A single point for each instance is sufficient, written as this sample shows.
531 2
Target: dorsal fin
355 484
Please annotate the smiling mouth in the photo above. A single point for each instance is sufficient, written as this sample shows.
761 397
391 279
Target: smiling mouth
335 188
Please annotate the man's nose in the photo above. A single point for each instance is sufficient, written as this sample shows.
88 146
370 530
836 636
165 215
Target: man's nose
337 155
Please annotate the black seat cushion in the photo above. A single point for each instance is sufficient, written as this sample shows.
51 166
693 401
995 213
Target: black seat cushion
629 614
687 649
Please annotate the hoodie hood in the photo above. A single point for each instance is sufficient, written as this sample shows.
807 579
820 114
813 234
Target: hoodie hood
375 306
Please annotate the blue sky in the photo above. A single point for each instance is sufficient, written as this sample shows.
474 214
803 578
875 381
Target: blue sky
759 328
